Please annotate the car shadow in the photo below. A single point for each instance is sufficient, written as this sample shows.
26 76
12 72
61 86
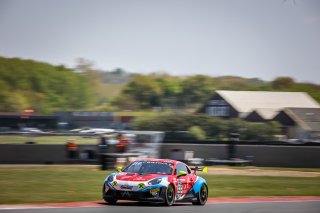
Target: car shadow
142 204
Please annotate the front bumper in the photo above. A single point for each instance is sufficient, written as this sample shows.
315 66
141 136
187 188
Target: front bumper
135 195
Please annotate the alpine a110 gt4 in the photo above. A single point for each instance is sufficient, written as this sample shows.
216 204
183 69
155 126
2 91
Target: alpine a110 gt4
157 180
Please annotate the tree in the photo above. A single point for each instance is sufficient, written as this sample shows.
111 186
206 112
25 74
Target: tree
12 102
171 90
204 126
144 90
197 89
197 133
46 87
282 83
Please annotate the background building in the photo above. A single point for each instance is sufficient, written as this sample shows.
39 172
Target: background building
300 123
16 121
254 105
86 119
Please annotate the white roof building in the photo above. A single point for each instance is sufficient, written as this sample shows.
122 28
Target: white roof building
300 123
264 103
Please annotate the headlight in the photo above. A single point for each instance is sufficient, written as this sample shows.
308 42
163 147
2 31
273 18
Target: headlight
155 181
110 178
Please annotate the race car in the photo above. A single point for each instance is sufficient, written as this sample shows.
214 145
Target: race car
156 180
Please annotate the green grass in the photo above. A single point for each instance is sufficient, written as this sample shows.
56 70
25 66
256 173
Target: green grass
50 184
22 139
75 183
268 168
244 186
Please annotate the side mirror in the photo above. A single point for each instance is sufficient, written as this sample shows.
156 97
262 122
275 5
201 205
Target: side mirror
119 168
181 173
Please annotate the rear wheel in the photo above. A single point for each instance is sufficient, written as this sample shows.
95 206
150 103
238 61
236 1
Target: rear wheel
202 196
169 196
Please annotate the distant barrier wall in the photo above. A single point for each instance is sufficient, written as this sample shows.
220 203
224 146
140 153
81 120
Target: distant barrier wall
262 155
40 154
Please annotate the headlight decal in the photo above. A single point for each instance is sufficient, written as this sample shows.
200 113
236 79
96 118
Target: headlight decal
110 178
155 181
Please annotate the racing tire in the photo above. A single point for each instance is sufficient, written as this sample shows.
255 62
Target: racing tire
202 196
169 196
110 201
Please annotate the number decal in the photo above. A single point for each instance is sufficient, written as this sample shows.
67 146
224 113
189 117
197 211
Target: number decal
179 189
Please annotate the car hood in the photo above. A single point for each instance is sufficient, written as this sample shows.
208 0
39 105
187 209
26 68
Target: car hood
136 177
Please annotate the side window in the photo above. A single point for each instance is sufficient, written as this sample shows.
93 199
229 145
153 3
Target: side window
182 167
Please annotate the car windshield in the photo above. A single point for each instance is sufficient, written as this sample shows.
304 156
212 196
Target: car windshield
150 167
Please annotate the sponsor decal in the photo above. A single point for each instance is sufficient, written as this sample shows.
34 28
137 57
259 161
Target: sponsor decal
126 187
114 183
157 162
155 190
179 189
141 185
140 178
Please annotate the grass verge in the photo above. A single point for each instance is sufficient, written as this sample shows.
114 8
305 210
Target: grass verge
266 168
38 139
66 184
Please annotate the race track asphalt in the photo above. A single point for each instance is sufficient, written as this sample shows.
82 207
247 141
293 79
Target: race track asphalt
135 207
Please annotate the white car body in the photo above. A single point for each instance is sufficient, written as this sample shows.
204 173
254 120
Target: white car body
97 131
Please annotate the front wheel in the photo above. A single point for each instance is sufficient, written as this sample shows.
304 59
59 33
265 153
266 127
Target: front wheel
169 196
110 201
202 196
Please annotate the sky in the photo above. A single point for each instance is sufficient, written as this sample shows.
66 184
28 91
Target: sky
248 38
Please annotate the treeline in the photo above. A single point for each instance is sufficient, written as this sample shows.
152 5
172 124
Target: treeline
165 91
148 91
203 127
49 88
